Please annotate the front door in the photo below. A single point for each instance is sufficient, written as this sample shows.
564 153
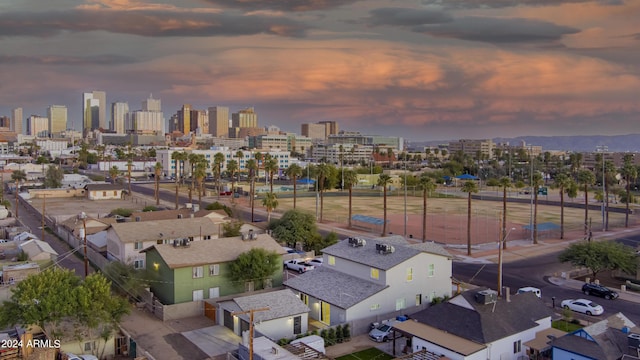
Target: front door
325 313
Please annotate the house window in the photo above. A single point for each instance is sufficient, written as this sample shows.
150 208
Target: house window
517 346
331 260
138 264
206 237
409 274
197 272
214 292
375 273
432 270
248 286
297 325
418 299
304 298
198 295
214 270
115 193
137 245
104 194
89 346
400 304
374 307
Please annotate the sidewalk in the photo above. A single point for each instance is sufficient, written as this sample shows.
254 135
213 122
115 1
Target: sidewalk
577 285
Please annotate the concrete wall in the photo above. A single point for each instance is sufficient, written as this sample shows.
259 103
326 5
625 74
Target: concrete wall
181 311
56 193
282 328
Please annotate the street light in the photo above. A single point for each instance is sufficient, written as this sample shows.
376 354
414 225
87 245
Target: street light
531 192
500 243
83 234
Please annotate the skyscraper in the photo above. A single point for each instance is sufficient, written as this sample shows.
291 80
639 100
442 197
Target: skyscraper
38 125
149 120
151 104
119 114
219 121
184 119
94 106
16 120
246 118
57 118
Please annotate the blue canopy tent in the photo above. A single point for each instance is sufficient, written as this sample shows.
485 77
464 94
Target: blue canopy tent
305 181
545 230
466 177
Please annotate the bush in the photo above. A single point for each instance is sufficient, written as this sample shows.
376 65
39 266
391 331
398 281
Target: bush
217 206
346 333
122 212
339 334
149 208
331 337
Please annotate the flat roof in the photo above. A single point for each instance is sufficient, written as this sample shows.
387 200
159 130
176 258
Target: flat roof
441 338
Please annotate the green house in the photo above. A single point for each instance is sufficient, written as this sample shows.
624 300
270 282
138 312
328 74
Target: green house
192 271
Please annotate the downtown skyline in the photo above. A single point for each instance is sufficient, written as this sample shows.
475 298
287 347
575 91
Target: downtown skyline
422 70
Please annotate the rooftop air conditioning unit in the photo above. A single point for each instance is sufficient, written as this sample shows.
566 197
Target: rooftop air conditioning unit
634 340
185 242
244 236
176 243
486 296
357 242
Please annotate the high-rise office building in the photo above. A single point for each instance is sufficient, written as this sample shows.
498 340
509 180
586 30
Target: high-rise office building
314 131
219 121
94 111
38 126
16 120
57 119
151 104
119 114
184 119
149 120
246 118
332 127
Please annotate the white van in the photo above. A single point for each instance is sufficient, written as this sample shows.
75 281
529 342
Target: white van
530 289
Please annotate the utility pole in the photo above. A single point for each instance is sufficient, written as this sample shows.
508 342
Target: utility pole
602 149
82 216
250 312
17 203
44 201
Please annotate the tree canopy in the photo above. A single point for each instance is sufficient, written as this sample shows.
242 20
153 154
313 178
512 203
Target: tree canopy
255 265
294 226
53 177
599 256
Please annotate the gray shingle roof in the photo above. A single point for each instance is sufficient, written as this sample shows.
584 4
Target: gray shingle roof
485 323
213 251
334 287
129 232
368 255
281 304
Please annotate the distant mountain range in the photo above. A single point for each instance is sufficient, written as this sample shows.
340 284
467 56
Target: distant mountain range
614 143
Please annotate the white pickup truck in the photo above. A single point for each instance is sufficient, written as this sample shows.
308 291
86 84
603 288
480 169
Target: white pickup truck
298 265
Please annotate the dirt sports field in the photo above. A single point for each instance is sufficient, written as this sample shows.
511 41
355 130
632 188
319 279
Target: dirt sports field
447 217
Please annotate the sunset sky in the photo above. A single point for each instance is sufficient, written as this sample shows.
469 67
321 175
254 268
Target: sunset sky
423 70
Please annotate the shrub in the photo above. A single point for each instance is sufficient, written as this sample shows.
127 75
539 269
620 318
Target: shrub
217 206
346 333
122 212
149 208
331 337
339 334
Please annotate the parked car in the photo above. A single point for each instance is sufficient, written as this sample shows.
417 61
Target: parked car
599 290
584 306
71 356
316 262
383 332
530 289
298 265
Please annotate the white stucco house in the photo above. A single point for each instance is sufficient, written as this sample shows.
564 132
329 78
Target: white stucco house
370 279
125 241
283 315
104 191
477 325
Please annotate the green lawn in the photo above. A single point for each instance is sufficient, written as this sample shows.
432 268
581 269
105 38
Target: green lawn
565 325
368 354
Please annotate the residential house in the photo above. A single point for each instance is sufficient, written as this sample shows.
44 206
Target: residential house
125 241
38 250
276 314
199 270
478 325
104 191
371 279
192 211
609 339
14 273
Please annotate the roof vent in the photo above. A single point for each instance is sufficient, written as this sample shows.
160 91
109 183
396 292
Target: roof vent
176 243
357 242
385 249
634 340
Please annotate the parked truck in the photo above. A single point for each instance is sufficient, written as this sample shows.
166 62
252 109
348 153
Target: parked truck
298 265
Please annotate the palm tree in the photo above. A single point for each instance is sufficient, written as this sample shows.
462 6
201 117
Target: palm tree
271 166
323 172
469 187
630 173
586 179
218 160
610 173
178 157
427 185
240 156
562 182
157 172
129 163
232 168
113 173
294 171
537 181
384 180
270 201
350 179
252 167
199 174
505 183
193 161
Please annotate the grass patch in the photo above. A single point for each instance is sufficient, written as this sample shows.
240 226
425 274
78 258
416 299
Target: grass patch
565 325
367 354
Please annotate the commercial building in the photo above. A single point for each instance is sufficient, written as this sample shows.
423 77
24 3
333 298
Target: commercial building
57 117
94 111
314 131
119 116
16 120
38 126
219 121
